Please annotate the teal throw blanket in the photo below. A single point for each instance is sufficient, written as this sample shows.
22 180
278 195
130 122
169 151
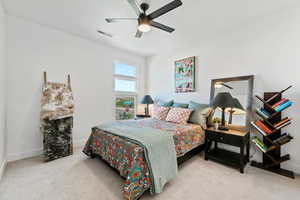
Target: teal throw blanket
159 149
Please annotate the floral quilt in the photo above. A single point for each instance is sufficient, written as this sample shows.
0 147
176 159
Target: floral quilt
129 159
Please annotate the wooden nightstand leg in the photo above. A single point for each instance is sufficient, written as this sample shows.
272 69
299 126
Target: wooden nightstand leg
205 156
242 158
206 149
248 148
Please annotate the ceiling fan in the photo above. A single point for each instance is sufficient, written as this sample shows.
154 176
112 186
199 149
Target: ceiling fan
145 22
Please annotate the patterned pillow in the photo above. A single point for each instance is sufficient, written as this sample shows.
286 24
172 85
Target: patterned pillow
160 112
179 115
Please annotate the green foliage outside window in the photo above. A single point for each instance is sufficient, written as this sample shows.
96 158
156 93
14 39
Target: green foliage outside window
125 108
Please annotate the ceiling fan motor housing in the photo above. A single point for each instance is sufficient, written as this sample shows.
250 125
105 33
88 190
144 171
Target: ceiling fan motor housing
143 19
144 7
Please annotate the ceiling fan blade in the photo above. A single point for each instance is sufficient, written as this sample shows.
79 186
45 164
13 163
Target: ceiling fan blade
104 33
135 6
167 8
113 20
138 34
162 27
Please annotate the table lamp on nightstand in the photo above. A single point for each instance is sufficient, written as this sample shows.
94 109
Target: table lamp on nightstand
237 109
147 100
223 100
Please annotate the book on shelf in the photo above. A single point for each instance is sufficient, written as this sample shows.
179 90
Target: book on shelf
283 125
260 144
283 139
283 106
263 127
282 122
260 112
283 135
261 131
279 102
265 112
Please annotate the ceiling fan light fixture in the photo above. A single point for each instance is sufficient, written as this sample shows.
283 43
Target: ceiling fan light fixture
144 28
144 24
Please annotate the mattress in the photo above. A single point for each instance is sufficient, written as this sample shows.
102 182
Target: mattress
186 136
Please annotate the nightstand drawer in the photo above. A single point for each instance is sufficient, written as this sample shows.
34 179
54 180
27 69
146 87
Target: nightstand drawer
225 138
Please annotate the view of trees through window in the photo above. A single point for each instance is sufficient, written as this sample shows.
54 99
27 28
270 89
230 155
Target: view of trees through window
125 108
126 90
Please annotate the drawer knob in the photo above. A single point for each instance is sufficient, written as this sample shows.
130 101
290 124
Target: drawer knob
221 138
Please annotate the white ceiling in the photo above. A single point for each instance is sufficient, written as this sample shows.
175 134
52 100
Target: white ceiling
194 21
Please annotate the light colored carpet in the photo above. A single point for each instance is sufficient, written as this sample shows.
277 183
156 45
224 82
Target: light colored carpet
79 178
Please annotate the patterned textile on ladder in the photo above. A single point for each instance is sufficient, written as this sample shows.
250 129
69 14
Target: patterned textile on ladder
57 138
57 101
57 120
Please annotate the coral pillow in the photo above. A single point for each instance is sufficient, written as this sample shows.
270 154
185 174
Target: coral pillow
179 115
160 112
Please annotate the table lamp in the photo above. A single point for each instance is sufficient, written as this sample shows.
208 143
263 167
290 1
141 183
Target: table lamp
147 100
223 100
237 109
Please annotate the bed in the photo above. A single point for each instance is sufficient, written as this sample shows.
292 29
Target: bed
129 158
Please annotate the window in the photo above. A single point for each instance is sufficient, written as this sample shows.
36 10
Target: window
125 70
125 80
122 85
125 107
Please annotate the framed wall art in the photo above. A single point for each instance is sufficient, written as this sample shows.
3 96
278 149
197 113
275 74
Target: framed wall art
185 75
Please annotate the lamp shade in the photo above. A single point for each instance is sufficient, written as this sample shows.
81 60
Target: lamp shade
237 109
147 100
223 100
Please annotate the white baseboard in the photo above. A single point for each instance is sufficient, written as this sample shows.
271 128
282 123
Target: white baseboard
79 143
2 168
294 166
37 152
22 155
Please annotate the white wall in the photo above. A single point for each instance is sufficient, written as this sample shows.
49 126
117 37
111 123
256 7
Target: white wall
32 49
267 48
2 88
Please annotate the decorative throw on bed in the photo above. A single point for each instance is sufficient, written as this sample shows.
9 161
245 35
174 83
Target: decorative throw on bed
57 120
128 158
159 149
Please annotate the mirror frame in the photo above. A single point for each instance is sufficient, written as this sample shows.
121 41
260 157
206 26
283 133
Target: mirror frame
250 80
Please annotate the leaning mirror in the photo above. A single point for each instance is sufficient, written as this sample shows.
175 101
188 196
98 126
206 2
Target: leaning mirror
232 100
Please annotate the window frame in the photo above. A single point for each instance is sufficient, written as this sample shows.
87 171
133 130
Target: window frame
118 94
128 78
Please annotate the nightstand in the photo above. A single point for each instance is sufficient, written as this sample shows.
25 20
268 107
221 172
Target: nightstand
234 138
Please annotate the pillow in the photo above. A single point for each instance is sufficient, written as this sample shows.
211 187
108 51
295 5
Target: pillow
160 112
179 115
200 114
180 105
165 104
